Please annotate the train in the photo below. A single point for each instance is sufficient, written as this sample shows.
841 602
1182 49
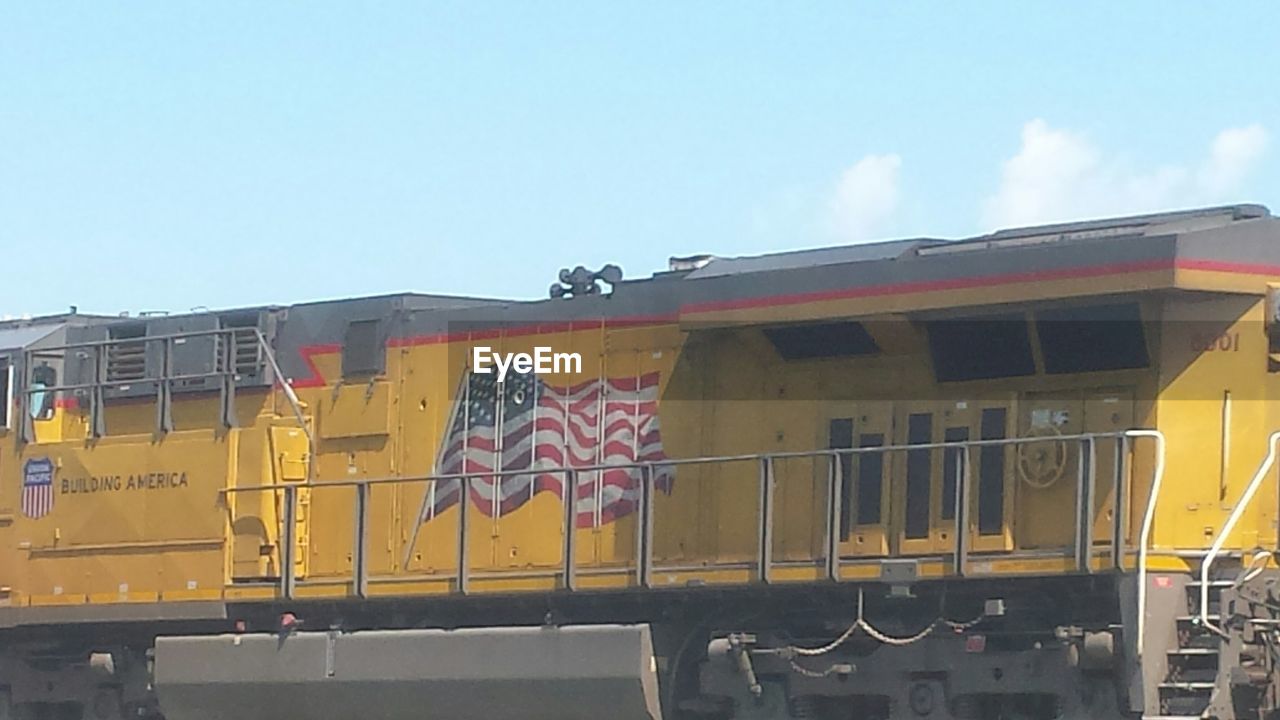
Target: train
1027 474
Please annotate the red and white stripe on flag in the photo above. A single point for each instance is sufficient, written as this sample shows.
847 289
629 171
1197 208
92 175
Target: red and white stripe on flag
37 499
599 422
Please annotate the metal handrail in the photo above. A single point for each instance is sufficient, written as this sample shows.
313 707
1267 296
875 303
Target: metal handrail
166 378
1236 513
700 460
766 480
143 338
1148 517
290 395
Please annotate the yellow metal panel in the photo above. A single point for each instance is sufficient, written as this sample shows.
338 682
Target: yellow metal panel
931 536
38 599
440 586
1216 408
122 597
241 592
11 570
356 411
872 426
724 391
125 521
253 518
191 595
290 452
290 464
1107 411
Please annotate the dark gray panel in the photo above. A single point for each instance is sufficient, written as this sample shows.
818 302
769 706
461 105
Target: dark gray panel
809 258
1250 242
526 673
121 612
1241 234
363 349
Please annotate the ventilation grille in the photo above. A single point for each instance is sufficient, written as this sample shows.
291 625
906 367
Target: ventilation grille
246 354
127 358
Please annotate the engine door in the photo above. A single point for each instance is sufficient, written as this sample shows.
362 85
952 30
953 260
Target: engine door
1046 470
988 501
1106 411
927 481
991 487
290 459
917 480
957 426
863 477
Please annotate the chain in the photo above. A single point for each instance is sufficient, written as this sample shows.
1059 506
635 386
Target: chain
898 641
802 670
793 651
962 626
879 636
811 652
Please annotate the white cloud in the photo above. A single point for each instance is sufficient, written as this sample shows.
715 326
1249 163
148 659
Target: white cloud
865 197
1233 154
1060 175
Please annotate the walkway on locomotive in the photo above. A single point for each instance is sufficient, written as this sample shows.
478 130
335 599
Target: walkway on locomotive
1038 348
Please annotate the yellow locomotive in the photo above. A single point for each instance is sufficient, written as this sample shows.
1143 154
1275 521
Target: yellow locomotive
1023 475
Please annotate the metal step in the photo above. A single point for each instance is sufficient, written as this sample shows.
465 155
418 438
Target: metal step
1193 635
1213 596
1188 686
1212 583
1193 666
1213 618
1202 641
1190 677
1191 707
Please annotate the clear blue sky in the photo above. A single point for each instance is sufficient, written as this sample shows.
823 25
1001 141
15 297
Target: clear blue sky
166 155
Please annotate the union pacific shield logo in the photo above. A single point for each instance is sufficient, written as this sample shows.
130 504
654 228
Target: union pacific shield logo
37 487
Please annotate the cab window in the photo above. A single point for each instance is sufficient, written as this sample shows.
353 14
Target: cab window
41 400
6 392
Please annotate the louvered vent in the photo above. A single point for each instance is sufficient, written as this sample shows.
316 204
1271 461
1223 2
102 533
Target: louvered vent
246 353
126 358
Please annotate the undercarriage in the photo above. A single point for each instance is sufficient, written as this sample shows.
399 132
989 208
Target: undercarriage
1032 648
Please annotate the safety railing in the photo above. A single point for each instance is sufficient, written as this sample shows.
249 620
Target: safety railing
1148 519
1215 549
225 359
1081 549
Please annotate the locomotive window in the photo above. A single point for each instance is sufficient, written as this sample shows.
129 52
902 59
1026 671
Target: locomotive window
991 473
362 352
41 400
825 340
839 436
919 466
870 479
994 346
6 391
1090 339
950 465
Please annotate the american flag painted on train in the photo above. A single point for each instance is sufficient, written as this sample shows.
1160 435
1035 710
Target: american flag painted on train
37 487
525 423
